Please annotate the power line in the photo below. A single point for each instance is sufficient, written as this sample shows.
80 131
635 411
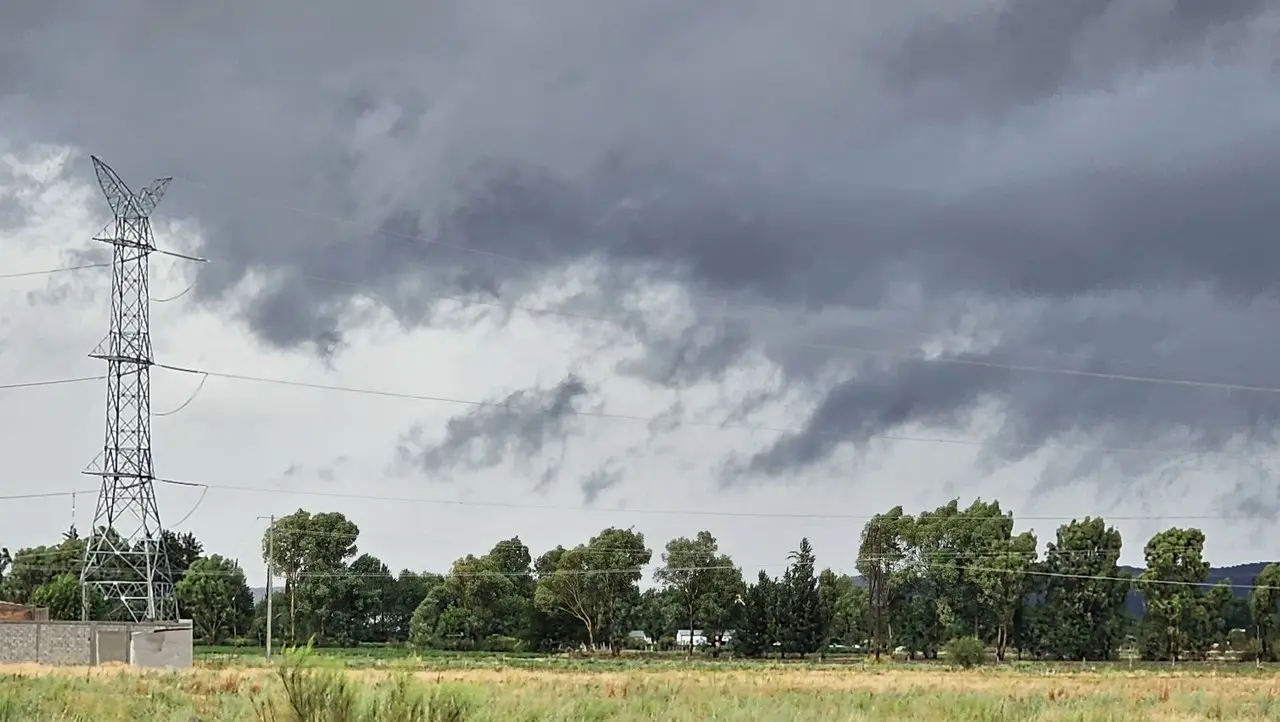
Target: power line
665 512
204 378
192 511
721 426
928 560
175 296
1136 582
53 382
911 558
1177 453
45 495
909 357
51 271
961 360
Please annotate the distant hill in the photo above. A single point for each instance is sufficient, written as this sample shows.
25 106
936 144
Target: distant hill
1240 574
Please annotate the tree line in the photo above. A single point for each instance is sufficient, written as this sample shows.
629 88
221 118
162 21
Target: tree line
922 580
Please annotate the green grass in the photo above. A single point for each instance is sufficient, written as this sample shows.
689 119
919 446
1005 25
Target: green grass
402 658
323 687
330 695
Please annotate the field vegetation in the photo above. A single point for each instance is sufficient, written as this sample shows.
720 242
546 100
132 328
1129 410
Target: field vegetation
465 688
327 688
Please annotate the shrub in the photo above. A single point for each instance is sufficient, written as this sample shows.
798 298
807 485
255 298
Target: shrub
967 652
499 643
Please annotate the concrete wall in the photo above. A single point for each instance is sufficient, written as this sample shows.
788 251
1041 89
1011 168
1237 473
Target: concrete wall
168 647
86 643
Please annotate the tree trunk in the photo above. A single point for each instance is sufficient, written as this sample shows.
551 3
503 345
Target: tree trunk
692 606
293 611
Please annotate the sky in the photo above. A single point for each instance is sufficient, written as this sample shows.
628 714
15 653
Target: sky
714 266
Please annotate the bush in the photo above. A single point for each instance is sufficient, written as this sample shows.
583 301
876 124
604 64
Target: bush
967 652
499 643
1251 651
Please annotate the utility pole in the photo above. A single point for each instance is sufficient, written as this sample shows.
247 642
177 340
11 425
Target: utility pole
271 551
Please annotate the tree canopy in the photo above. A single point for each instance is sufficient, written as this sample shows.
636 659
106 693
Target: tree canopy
916 583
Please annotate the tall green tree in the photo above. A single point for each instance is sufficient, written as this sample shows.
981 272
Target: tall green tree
310 551
951 543
368 610
706 582
408 592
481 600
511 559
1217 608
1264 607
33 567
425 622
654 614
591 581
844 605
918 625
63 597
553 628
1084 598
798 605
883 557
181 550
1175 612
1003 583
214 594
756 636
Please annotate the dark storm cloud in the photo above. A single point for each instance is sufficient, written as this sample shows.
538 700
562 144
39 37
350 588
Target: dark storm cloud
1036 156
519 427
686 357
1026 52
600 481
1189 333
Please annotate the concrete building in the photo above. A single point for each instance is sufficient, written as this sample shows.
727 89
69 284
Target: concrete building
154 644
682 638
700 638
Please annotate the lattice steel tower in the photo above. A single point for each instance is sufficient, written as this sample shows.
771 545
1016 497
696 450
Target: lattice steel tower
125 558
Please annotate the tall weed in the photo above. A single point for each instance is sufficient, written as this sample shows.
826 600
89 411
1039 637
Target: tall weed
315 693
312 694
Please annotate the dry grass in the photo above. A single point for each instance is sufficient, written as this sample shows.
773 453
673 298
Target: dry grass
794 693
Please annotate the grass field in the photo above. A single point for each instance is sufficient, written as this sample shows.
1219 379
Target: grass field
486 689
